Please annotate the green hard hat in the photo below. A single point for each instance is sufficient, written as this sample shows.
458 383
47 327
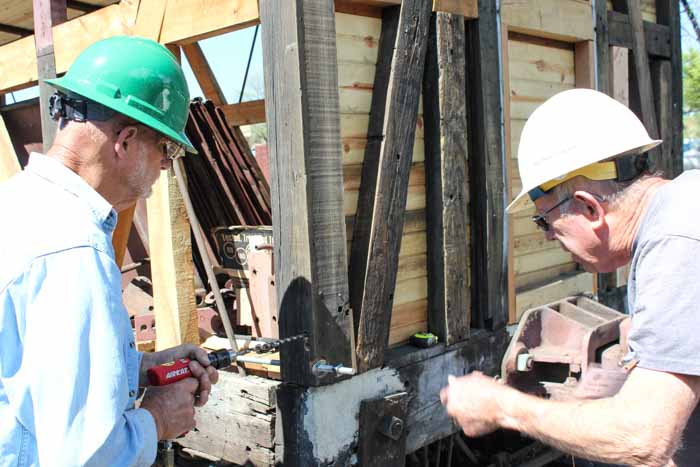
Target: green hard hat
136 77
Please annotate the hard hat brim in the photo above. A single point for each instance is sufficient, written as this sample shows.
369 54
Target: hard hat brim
521 200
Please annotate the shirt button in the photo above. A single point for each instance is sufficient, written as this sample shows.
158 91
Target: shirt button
131 344
132 393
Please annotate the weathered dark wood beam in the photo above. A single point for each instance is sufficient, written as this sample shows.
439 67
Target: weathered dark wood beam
47 14
16 30
656 36
642 90
602 33
302 109
487 185
362 225
445 120
668 14
392 182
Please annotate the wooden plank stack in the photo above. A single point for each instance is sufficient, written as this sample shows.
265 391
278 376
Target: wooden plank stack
225 182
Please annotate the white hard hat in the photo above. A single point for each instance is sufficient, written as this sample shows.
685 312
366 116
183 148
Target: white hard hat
572 130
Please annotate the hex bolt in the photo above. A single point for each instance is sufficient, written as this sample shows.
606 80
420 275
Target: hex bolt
391 427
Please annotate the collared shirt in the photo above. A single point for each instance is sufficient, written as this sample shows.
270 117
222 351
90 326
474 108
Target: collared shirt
69 369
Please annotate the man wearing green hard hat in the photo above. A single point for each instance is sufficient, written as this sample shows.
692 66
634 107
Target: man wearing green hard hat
69 369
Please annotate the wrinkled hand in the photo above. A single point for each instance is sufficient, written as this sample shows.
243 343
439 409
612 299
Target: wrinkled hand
473 401
172 407
199 366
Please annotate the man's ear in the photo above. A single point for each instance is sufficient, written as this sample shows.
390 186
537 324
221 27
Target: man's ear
592 209
125 138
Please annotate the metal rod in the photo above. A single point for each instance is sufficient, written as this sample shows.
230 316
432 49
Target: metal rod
199 240
258 360
247 67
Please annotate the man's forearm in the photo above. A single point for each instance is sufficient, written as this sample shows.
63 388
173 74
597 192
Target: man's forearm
606 430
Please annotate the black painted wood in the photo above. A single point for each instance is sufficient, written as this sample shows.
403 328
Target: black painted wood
487 170
445 120
382 443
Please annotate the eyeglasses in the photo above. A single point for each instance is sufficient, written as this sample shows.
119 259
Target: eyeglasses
171 149
541 219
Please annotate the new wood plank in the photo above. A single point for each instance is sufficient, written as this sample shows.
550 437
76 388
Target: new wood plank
172 270
245 113
70 38
447 179
568 20
584 55
392 182
149 21
301 89
188 21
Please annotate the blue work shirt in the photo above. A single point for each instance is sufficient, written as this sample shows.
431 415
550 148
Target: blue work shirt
69 369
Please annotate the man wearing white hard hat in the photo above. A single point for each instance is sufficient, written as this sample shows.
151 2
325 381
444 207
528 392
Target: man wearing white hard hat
582 163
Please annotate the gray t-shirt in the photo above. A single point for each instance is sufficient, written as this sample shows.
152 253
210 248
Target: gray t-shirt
663 291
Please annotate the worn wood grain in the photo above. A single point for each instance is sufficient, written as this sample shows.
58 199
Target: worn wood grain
392 182
643 90
668 14
301 89
657 36
238 423
445 117
359 252
487 171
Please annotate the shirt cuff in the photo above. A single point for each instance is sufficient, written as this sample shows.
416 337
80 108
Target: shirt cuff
150 436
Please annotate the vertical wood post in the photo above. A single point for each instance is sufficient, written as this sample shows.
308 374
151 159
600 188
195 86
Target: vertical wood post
47 13
445 117
487 169
172 269
668 13
359 250
605 283
302 109
392 182
642 91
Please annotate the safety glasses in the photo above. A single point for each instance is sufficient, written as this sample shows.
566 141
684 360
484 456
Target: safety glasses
541 219
171 149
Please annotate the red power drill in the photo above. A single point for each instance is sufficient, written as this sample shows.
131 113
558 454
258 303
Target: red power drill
168 373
